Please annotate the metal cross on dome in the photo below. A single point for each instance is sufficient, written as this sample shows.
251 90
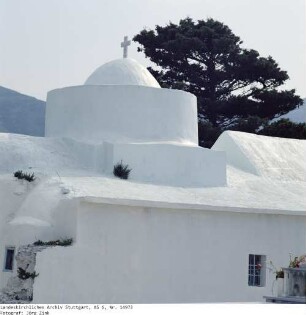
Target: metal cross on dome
125 45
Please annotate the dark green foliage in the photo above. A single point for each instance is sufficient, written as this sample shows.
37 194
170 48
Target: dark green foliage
236 88
284 128
65 242
38 243
22 274
279 274
121 170
208 134
29 177
249 124
21 175
18 174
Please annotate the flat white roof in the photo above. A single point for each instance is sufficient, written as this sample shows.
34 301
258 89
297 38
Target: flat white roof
264 175
250 194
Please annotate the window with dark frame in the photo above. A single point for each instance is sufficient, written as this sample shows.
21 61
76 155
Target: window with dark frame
256 276
9 258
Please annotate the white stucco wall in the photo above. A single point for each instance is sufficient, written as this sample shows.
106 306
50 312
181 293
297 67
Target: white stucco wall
32 211
145 255
122 114
8 206
169 164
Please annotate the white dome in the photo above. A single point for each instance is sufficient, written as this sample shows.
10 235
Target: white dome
124 71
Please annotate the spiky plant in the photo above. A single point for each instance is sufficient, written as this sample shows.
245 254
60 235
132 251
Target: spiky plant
27 176
121 170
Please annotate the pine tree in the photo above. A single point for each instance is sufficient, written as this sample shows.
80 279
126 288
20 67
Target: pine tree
236 87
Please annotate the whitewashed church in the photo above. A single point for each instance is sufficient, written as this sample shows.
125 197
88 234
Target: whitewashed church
189 225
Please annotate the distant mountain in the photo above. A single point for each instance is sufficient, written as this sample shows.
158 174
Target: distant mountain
298 115
21 114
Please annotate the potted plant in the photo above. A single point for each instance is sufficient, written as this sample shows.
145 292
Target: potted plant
298 262
279 277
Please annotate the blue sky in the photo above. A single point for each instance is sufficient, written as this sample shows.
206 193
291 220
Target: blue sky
46 44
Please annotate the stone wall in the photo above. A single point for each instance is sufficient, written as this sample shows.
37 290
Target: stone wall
18 290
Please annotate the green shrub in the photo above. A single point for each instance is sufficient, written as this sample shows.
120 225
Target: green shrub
18 174
65 242
24 275
27 176
121 170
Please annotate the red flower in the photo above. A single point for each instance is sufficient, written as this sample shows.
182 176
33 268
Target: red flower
258 266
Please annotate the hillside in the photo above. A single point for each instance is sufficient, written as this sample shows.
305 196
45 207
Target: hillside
298 115
21 114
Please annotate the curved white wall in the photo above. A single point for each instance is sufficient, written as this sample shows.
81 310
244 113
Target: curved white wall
122 114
